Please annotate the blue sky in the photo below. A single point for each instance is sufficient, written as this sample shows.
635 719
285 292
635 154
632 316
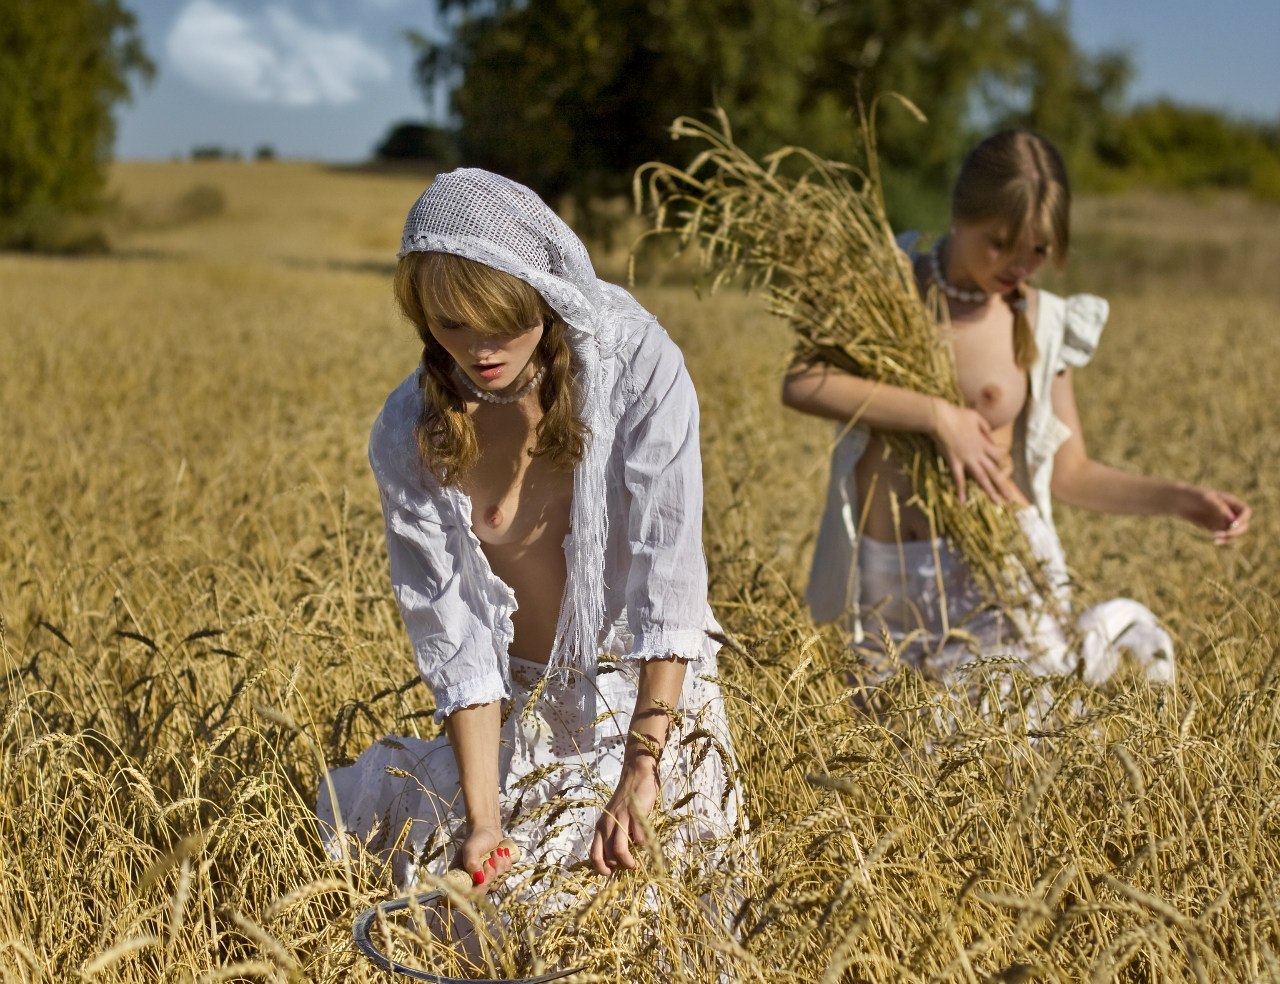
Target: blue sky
324 79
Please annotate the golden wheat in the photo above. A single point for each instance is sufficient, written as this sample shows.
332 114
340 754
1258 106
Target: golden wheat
815 234
196 618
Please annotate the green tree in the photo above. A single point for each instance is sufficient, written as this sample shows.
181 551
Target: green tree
1076 100
1173 146
410 141
570 95
63 68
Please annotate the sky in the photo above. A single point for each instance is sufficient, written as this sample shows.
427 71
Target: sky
325 79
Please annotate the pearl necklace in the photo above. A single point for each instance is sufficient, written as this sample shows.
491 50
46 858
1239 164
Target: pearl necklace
488 397
952 291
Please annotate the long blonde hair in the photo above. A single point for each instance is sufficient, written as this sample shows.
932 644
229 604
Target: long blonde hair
1017 176
440 287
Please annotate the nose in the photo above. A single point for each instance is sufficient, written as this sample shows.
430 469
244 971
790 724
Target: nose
1025 262
481 345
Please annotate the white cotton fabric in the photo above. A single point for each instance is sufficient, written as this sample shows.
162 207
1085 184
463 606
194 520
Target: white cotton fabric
636 585
495 221
413 819
920 596
652 576
1067 331
636 571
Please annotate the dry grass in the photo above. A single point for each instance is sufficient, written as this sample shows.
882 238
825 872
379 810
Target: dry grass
815 236
195 607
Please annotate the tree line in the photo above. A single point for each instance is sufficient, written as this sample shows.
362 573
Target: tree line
570 95
64 67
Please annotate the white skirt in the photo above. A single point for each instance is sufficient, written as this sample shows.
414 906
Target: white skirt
401 799
920 594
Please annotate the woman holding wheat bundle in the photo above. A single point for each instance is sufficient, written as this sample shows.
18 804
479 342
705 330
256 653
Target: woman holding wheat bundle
1016 436
541 482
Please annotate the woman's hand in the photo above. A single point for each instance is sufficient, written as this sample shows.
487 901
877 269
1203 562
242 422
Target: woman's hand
620 825
1221 513
482 859
964 436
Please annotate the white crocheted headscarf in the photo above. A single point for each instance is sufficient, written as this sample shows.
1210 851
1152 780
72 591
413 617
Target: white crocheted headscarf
495 221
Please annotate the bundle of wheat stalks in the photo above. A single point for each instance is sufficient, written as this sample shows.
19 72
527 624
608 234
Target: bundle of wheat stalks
821 246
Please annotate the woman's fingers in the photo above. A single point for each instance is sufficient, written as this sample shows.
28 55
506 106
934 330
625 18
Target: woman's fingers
612 843
957 472
972 451
1008 490
621 852
1240 513
988 486
598 862
486 856
1225 516
1237 516
986 473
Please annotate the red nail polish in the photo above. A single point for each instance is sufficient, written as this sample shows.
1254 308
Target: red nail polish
478 878
492 863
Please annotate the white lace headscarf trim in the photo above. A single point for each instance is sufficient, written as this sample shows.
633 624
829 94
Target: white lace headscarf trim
495 221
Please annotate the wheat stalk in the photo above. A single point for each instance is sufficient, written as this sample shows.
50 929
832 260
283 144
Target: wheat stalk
821 247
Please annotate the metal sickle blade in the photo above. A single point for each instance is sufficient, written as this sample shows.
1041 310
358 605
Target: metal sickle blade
364 921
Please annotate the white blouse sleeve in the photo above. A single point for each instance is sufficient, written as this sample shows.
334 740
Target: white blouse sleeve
666 590
1083 320
460 654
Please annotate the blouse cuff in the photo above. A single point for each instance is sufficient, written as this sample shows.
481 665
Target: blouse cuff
469 693
659 643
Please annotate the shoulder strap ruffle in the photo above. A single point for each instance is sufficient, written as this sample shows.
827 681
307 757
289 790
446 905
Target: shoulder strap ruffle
907 241
1082 324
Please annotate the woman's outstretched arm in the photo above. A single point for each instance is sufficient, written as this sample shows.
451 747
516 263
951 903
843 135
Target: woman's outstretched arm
473 735
962 434
1087 484
619 827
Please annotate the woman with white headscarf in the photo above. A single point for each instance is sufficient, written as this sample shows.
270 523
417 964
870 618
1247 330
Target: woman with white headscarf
541 483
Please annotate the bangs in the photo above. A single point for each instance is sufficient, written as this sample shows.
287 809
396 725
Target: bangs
1013 213
1016 177
1021 207
451 291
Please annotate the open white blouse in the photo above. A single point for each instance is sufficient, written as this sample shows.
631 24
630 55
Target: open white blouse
458 612
1066 332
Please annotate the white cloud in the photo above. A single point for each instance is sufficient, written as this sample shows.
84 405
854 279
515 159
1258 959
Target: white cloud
271 57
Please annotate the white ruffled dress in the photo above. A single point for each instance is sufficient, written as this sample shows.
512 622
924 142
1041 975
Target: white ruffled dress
921 594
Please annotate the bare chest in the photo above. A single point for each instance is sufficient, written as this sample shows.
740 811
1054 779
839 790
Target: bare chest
516 500
990 380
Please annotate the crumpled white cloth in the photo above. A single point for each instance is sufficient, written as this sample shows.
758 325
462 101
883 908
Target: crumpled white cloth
920 594
490 219
553 782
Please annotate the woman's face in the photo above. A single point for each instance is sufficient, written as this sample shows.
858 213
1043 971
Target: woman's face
981 255
494 363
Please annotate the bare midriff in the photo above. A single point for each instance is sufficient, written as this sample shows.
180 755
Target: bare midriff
883 482
520 509
992 384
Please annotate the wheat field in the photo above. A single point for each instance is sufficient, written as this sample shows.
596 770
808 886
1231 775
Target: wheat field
196 616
